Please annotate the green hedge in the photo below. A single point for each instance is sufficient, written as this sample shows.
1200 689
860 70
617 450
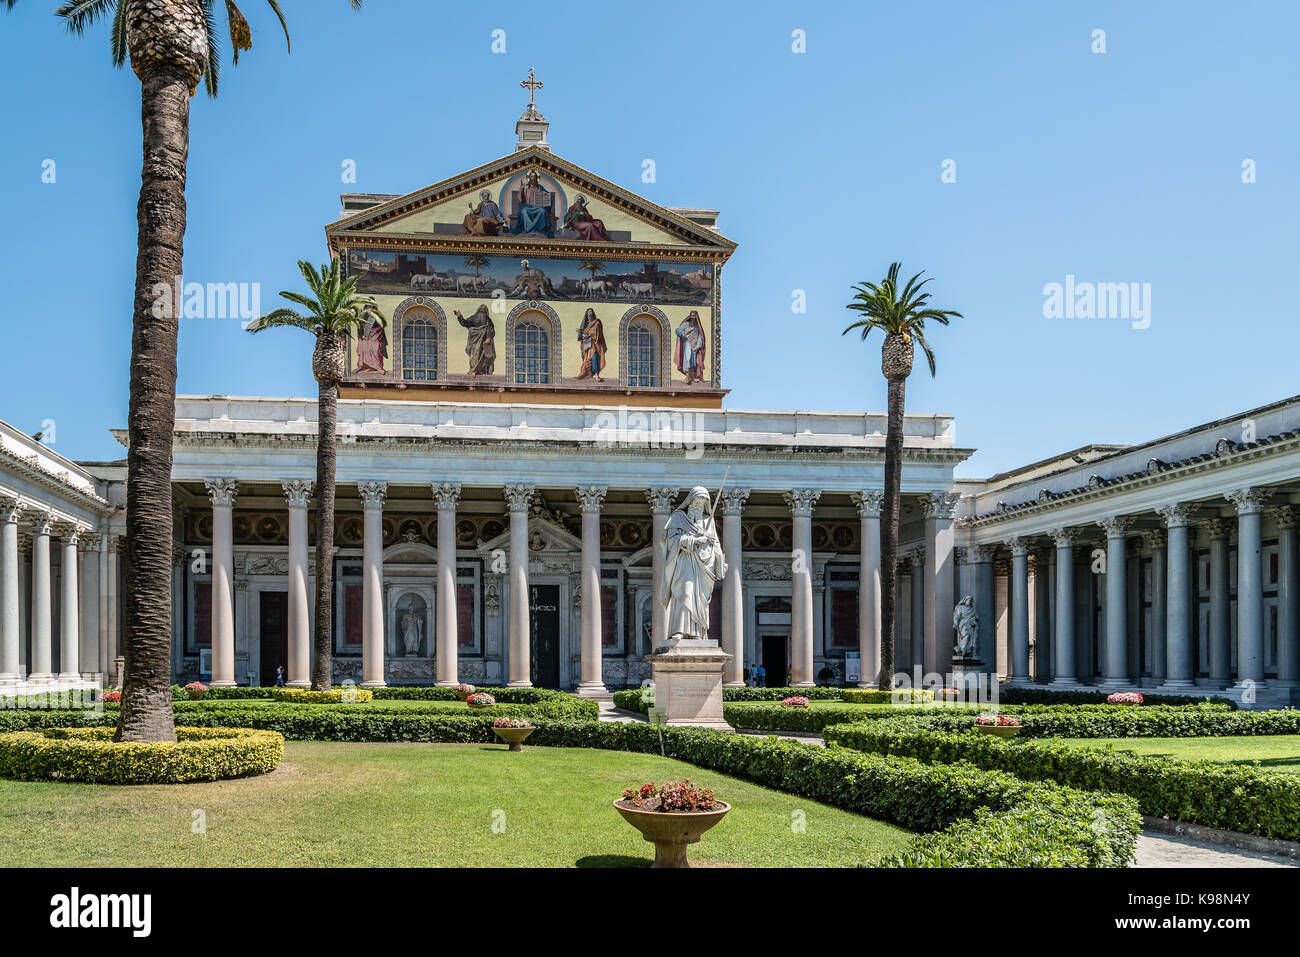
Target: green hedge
1025 824
349 695
91 755
876 696
1200 792
777 694
1022 695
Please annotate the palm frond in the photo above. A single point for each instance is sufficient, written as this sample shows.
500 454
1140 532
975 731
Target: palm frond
212 69
81 13
117 35
284 24
279 318
894 311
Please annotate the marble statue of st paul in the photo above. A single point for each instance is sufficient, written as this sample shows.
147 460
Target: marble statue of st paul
693 562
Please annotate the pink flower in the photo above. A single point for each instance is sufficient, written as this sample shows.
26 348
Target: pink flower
1124 697
794 701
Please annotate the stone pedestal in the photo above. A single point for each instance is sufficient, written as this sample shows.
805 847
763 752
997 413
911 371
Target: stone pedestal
688 681
968 677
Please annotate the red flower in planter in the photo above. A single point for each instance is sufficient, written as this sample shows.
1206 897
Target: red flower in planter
794 701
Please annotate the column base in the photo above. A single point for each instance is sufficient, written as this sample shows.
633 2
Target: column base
374 684
1114 685
222 684
73 678
519 684
41 678
1065 684
445 683
802 684
593 691
1175 686
734 684
297 684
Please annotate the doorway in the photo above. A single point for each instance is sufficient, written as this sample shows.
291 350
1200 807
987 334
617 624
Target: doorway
775 660
544 637
273 618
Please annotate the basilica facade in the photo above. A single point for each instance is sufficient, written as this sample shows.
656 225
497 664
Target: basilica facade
511 442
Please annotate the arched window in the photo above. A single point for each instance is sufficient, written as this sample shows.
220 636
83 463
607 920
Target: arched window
642 354
420 347
532 353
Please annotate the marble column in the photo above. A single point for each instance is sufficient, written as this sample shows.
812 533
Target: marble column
102 662
661 506
733 605
1220 604
592 685
984 591
297 495
372 495
1043 639
1115 659
1019 586
42 614
116 549
447 495
519 498
1288 598
222 491
916 582
868 504
1178 611
10 669
1063 659
1250 584
939 509
802 501
70 606
1156 655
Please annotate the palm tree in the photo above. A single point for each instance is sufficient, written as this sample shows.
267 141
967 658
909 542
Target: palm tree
901 317
477 261
172 46
334 313
592 266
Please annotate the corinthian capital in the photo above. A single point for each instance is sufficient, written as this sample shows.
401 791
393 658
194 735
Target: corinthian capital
372 493
297 492
1249 501
519 497
591 497
868 502
222 491
446 494
1116 526
940 505
733 500
802 500
661 499
1063 536
1178 514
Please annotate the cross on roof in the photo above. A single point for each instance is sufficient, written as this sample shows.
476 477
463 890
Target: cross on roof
532 85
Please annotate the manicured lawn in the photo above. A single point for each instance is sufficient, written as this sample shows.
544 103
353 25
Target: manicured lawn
1271 752
428 805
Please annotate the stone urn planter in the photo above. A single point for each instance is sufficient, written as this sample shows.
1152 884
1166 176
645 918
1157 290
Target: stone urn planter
463 691
999 730
671 832
514 736
480 700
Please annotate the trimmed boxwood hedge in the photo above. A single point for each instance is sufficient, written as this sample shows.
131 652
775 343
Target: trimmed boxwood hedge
1200 792
993 819
1023 695
876 696
91 755
349 695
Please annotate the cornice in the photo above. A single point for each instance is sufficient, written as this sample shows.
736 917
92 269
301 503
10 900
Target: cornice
1157 472
31 470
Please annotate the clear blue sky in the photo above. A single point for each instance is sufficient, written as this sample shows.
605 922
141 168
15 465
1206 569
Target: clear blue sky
1115 167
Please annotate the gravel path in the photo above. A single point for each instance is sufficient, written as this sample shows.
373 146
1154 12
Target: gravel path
1168 850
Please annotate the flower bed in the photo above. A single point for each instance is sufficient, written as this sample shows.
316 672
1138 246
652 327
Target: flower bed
347 695
1198 792
91 755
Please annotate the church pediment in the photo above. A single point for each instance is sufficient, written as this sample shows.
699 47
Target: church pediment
532 198
543 536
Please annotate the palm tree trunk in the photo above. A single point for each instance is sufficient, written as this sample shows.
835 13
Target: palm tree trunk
889 529
326 453
146 688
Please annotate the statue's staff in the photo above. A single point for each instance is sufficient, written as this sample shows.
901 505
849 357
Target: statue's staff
718 497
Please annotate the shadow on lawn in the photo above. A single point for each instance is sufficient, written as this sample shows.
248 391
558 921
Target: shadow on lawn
612 860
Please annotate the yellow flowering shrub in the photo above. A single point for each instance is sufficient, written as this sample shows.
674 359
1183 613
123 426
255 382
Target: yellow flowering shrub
349 695
91 755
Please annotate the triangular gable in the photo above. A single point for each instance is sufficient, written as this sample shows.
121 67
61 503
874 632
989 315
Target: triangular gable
439 210
553 538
